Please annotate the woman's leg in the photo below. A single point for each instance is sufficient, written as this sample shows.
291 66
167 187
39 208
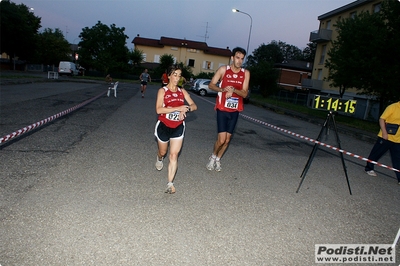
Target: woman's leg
174 149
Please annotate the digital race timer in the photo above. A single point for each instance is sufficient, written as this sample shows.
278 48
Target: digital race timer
334 104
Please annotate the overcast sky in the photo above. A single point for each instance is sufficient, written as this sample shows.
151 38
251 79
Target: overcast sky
212 21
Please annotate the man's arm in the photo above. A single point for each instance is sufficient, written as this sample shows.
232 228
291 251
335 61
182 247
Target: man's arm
217 77
382 125
245 88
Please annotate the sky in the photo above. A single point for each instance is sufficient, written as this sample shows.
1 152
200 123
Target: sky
210 21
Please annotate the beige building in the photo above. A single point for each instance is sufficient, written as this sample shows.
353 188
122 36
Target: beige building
198 55
326 34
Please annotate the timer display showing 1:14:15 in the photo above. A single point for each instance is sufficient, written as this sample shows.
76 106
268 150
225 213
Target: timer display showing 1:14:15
334 104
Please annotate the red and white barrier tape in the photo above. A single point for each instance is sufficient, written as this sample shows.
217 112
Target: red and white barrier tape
319 143
47 120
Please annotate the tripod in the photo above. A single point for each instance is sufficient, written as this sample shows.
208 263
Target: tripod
325 127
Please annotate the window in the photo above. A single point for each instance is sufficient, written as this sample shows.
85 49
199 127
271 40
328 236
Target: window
208 65
323 52
328 25
377 8
191 62
319 74
144 57
353 14
156 58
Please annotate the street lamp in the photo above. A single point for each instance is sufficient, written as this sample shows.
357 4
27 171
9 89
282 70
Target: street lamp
251 23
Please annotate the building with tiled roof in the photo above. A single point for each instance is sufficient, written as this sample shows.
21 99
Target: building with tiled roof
198 55
292 73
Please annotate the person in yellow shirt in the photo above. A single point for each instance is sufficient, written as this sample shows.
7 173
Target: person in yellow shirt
182 82
388 139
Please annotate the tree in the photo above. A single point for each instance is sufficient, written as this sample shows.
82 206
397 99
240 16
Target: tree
309 52
103 48
19 29
260 65
136 56
166 60
266 52
364 55
52 47
186 71
290 52
264 77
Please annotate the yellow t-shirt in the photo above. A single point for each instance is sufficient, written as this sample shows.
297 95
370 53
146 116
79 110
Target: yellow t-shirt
392 115
181 81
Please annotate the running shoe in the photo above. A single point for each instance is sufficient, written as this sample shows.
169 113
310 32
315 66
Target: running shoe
371 173
210 165
218 166
170 188
159 164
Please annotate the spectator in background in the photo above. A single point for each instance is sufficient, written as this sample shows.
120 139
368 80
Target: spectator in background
164 79
109 79
182 82
144 78
388 139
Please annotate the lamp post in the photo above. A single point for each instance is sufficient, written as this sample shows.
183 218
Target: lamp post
251 23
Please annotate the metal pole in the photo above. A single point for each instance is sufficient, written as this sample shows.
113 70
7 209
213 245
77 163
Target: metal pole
251 24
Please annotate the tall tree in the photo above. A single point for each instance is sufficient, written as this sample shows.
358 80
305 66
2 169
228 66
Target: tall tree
166 60
266 52
365 57
136 56
103 48
19 29
52 47
290 52
309 52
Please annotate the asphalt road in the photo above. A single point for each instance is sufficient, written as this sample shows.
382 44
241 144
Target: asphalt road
83 189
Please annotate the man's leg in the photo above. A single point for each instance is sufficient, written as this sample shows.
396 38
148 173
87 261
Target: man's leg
395 154
221 144
143 90
380 148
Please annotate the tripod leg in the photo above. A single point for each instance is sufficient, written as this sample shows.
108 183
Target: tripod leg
314 151
308 164
341 154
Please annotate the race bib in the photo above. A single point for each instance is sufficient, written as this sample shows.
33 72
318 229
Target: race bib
174 116
232 103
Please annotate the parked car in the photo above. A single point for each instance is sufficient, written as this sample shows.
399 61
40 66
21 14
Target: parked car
67 68
200 86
